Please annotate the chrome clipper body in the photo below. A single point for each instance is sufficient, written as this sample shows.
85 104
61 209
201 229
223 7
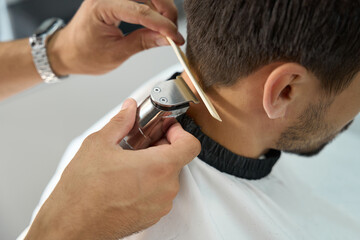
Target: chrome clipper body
168 100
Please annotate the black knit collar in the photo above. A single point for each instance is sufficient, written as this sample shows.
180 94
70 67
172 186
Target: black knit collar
226 161
223 159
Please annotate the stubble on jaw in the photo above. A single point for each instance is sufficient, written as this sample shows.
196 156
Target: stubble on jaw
310 134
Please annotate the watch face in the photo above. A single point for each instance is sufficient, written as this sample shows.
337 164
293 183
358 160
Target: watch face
45 26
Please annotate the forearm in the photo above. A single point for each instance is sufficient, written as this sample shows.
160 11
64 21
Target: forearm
91 43
53 223
17 70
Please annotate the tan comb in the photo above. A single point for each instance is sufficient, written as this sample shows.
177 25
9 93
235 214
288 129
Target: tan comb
185 63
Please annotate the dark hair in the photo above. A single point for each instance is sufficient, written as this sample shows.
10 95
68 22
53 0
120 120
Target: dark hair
231 39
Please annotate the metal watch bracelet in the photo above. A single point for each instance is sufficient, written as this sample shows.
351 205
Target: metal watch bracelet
39 52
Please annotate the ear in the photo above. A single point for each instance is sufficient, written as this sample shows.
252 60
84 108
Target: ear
279 88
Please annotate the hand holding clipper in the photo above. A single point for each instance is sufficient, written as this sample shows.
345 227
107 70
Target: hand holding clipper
168 100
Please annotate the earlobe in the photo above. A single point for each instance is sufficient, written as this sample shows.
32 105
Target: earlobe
279 90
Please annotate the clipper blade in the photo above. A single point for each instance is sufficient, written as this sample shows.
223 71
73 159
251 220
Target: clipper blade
185 63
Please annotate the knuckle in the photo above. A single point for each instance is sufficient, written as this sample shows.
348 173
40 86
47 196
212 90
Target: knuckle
114 58
91 138
167 209
173 11
144 43
152 222
157 170
194 147
143 9
174 190
163 170
119 119
171 168
171 156
92 4
95 139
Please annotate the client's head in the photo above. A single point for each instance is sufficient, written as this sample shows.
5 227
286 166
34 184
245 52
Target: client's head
297 60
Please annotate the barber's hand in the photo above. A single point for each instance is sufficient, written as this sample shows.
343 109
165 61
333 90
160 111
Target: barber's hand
92 43
107 192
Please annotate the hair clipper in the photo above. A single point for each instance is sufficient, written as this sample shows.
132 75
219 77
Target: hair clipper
168 100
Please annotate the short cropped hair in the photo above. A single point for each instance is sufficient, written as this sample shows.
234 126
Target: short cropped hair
229 40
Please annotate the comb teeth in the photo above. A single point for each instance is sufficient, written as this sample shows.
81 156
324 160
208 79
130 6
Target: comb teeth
185 63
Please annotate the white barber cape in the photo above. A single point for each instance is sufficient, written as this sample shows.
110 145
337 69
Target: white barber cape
315 198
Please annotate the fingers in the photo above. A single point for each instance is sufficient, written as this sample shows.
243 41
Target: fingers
182 144
121 124
166 8
142 14
173 153
162 141
179 148
140 40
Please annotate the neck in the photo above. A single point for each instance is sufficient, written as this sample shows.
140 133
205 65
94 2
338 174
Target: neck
239 132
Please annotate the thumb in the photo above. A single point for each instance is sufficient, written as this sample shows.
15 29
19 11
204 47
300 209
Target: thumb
183 147
142 39
121 124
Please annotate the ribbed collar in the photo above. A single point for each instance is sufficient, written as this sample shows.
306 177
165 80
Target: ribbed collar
223 159
226 161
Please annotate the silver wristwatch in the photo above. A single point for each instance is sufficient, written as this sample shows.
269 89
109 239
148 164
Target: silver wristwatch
38 49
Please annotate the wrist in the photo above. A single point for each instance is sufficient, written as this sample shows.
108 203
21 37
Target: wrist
43 227
56 52
54 222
